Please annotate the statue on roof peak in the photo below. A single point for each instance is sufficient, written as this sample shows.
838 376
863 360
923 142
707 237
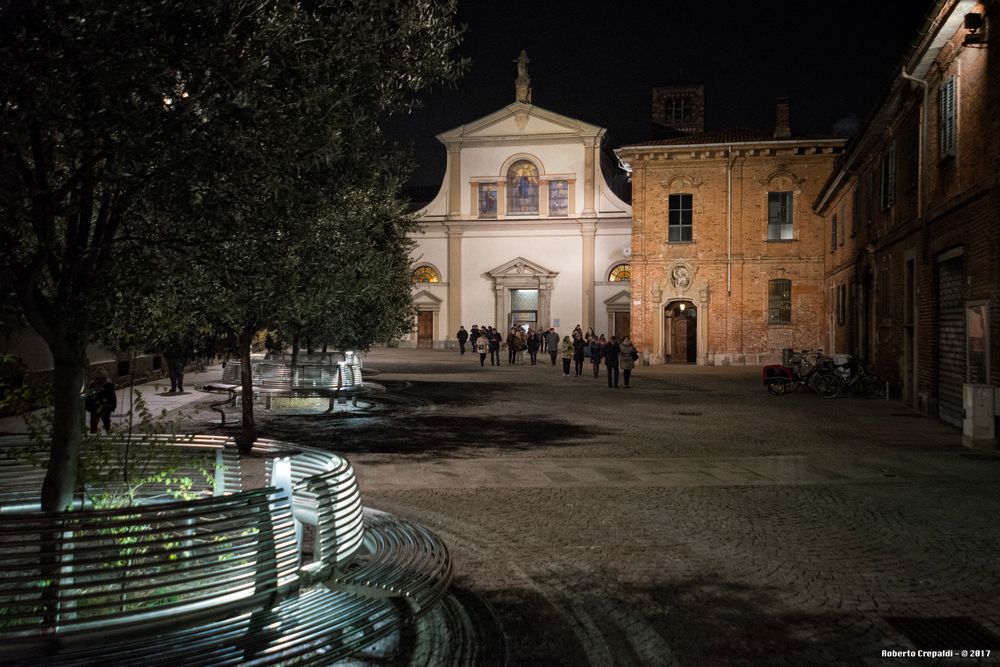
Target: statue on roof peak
522 84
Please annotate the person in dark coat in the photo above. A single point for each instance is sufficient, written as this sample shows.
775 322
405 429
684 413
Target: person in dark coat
533 343
611 352
597 353
462 336
511 346
101 401
578 356
552 344
176 361
474 335
495 340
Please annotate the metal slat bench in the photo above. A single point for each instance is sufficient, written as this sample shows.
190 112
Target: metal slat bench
211 463
371 573
137 570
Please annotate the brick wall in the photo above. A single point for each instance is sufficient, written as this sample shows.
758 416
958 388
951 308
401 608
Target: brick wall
731 295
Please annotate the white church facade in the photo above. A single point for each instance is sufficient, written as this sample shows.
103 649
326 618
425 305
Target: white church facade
524 230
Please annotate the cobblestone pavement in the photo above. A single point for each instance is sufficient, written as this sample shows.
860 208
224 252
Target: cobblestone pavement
690 519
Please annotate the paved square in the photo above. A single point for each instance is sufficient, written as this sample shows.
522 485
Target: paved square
689 519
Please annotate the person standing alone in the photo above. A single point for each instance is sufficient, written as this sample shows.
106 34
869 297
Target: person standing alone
176 360
627 357
462 336
101 401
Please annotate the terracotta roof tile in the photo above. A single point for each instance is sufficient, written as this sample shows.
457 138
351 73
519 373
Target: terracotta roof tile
736 135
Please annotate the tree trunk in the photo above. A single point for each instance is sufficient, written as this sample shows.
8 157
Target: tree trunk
248 427
67 429
295 349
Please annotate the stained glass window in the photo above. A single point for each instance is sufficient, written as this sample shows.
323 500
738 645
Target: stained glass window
621 273
522 188
487 200
558 197
425 274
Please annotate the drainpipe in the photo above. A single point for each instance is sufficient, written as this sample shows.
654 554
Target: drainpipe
922 157
730 161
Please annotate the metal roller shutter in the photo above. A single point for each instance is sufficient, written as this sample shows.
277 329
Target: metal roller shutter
951 341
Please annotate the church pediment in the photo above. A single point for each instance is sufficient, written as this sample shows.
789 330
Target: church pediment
621 299
520 120
425 298
521 267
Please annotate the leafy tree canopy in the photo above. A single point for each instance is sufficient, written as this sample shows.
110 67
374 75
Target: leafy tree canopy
208 133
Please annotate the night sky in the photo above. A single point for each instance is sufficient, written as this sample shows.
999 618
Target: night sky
598 62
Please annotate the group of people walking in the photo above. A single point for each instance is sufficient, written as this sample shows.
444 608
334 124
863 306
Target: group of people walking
574 350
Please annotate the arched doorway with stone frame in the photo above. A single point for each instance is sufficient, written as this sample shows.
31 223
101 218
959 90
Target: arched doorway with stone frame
680 334
518 285
681 287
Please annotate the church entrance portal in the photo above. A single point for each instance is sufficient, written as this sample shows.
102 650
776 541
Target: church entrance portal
623 324
523 309
425 328
680 324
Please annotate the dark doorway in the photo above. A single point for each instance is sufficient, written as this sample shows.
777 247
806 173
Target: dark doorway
623 324
682 333
425 328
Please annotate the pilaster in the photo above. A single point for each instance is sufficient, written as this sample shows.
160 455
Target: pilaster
454 281
454 182
589 165
589 232
501 198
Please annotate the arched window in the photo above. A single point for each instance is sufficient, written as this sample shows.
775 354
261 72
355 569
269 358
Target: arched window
425 274
522 188
621 273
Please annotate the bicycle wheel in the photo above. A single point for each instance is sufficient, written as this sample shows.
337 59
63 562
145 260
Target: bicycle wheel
776 388
826 385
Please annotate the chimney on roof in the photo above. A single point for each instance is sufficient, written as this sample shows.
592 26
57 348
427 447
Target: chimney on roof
782 128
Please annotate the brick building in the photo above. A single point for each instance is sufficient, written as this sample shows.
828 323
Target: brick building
912 213
727 252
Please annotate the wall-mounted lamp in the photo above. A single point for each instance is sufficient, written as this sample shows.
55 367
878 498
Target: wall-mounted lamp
973 22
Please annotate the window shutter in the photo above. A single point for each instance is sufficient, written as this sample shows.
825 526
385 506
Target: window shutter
946 112
891 193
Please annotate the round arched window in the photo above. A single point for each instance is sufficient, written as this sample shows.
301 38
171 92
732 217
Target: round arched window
425 274
620 274
522 188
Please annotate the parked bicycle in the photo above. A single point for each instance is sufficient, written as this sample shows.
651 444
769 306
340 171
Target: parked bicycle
859 381
807 368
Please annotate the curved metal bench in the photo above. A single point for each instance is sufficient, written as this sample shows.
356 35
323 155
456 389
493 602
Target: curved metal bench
217 580
209 464
117 572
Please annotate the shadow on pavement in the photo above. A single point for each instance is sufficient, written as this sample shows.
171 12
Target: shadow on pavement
426 437
697 621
